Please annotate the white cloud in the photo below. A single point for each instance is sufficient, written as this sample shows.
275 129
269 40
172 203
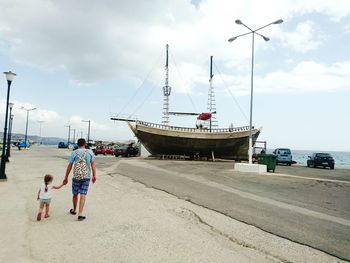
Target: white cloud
347 29
305 77
335 9
121 39
54 124
302 39
309 76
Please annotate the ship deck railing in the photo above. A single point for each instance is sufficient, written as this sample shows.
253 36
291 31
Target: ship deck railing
186 129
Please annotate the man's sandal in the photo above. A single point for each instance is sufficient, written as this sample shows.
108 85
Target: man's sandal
38 217
81 218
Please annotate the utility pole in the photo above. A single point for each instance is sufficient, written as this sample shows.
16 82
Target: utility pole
73 136
68 134
26 134
40 123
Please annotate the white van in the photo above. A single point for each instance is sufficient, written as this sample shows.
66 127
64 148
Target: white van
283 155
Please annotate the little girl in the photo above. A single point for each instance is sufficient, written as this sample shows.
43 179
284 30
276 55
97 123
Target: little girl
45 194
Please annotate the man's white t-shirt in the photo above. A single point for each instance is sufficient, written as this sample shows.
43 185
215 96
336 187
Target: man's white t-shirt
43 194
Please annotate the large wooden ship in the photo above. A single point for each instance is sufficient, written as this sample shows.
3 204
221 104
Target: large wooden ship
206 139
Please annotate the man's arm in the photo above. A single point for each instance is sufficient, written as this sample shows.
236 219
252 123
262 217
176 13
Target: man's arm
93 167
69 168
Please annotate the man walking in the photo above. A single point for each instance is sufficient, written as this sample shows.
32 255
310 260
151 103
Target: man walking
82 162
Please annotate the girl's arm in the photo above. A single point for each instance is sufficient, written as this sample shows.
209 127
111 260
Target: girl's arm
37 198
58 186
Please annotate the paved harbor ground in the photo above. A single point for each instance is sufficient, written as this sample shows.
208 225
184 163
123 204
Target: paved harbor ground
147 210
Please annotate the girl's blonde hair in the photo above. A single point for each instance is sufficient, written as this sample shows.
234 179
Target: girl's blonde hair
47 179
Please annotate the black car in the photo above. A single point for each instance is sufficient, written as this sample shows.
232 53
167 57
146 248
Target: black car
62 145
321 159
126 151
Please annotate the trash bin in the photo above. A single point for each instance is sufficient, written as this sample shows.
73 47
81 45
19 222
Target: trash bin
269 160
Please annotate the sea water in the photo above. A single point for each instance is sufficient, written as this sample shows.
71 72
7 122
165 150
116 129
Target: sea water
341 159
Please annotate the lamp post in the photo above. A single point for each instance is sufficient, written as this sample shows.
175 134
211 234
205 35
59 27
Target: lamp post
68 134
253 32
26 134
88 138
9 133
40 123
9 77
73 136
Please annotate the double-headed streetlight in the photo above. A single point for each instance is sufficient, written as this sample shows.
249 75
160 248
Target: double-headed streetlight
9 77
40 123
68 134
253 32
73 136
9 133
88 138
26 134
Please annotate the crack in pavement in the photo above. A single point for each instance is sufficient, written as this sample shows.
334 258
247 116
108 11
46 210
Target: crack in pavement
232 239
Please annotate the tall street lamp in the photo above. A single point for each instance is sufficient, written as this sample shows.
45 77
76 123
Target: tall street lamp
9 133
73 136
26 134
88 138
68 134
40 123
253 32
9 77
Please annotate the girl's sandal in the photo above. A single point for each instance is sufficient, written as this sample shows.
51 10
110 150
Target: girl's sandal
46 216
72 212
38 217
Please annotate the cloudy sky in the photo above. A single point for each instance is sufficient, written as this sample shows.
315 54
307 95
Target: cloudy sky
80 60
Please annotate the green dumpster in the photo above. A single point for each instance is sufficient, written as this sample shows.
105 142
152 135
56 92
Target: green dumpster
269 160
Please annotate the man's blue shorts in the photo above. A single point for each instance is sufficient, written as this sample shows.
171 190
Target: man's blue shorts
80 186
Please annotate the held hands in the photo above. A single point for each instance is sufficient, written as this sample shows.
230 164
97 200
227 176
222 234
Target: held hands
58 186
65 181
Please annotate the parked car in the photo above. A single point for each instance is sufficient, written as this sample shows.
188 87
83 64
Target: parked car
126 151
100 150
23 144
110 150
103 149
62 145
320 159
283 155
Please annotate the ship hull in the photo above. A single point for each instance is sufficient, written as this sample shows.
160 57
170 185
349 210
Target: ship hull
189 142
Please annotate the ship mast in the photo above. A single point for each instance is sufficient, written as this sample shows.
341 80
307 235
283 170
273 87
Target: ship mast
211 99
166 91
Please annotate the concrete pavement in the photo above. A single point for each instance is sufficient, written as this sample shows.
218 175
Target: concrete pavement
308 210
126 221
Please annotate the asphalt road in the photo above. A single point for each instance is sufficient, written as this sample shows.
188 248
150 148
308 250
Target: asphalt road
305 205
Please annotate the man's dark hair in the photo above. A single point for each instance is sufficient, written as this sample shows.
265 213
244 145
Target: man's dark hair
81 142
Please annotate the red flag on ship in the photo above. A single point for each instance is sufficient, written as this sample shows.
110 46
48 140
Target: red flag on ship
204 116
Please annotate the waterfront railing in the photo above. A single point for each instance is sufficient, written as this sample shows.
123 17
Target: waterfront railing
186 129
